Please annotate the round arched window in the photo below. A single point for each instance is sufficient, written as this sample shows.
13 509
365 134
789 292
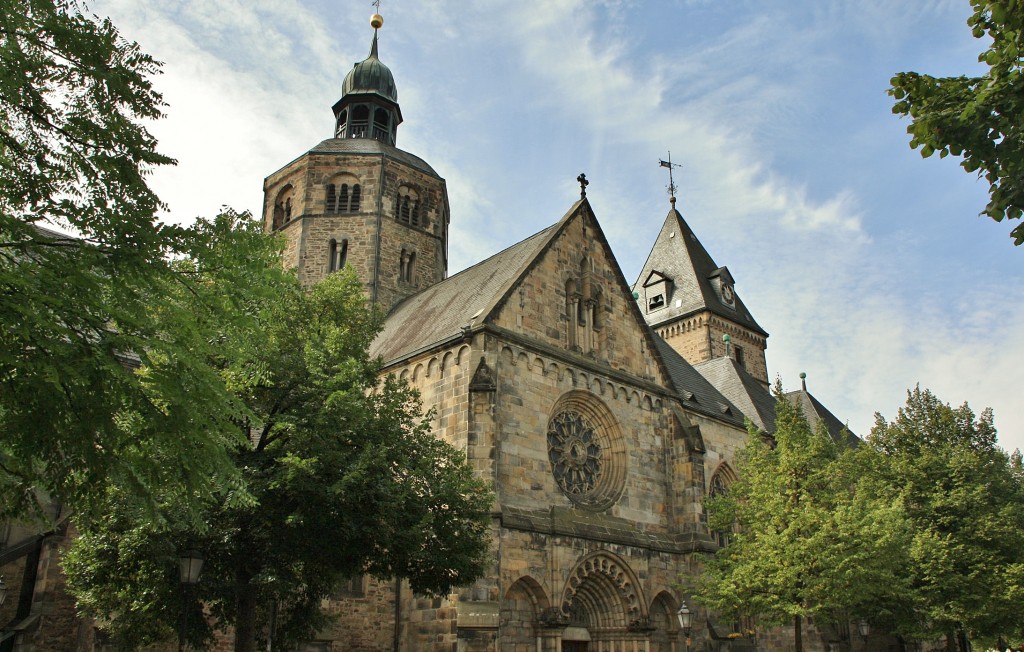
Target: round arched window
586 451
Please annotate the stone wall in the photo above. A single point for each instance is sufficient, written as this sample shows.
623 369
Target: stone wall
698 338
380 245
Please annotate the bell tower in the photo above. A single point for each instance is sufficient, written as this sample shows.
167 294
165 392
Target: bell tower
692 303
357 200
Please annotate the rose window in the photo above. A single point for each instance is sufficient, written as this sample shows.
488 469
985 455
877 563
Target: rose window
575 453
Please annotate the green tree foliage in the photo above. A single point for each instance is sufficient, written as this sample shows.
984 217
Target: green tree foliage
346 476
811 539
102 379
964 500
978 118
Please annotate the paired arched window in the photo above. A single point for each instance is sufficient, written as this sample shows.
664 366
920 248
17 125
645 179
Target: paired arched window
407 208
337 254
283 207
405 265
343 198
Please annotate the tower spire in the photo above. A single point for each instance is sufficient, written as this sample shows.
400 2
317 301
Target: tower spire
376 22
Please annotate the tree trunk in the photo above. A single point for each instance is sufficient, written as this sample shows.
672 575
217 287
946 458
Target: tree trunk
245 613
798 634
962 642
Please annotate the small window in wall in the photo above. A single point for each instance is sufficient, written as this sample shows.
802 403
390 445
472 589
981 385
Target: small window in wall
337 253
403 208
353 204
655 302
405 266
342 198
720 488
739 356
407 207
283 207
332 199
339 131
342 202
353 588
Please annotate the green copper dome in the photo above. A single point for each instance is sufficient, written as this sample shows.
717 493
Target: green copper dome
371 76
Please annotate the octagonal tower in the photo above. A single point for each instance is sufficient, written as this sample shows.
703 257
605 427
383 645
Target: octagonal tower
356 199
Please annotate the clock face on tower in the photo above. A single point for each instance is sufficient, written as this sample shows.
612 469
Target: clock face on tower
727 294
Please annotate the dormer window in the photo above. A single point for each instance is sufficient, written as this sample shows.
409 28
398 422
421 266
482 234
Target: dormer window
722 282
657 290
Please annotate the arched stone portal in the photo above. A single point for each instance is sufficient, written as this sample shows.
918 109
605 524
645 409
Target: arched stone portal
603 596
664 625
524 602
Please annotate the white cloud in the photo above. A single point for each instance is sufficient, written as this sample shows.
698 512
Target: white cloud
510 101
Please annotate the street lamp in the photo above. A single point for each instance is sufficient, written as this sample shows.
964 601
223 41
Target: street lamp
864 628
190 564
686 623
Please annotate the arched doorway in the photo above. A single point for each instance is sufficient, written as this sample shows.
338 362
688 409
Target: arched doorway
604 603
520 612
664 625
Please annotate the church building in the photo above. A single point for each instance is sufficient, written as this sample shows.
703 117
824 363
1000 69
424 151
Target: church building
603 411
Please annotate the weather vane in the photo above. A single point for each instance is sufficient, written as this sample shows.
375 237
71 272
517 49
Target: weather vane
671 183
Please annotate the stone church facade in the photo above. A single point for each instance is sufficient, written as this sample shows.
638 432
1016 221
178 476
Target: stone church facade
603 412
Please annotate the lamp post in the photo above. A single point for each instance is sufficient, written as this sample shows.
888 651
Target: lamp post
864 628
190 564
686 623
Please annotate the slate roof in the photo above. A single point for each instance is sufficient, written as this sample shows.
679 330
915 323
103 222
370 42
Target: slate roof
373 147
441 311
815 412
695 392
743 390
678 254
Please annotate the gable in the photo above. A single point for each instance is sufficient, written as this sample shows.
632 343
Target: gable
574 297
655 277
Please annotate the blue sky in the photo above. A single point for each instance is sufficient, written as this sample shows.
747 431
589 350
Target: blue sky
867 264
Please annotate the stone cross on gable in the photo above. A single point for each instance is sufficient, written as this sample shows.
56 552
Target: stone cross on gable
583 185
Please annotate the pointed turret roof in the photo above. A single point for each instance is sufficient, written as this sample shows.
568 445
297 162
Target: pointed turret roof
696 279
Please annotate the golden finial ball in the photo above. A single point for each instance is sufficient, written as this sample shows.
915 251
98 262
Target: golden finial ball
376 21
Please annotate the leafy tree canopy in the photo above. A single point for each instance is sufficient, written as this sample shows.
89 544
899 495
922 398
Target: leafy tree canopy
347 479
964 501
811 539
104 376
978 118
